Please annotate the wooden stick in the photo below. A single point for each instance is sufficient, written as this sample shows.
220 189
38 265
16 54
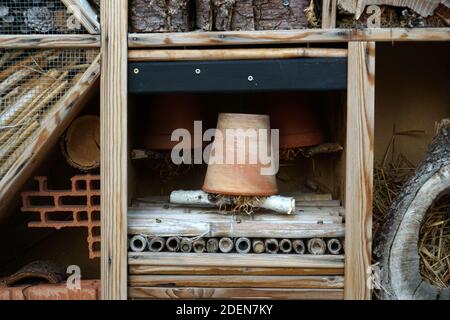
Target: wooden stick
173 244
286 246
156 244
243 245
226 245
316 246
299 246
212 245
138 243
272 246
199 245
258 246
186 245
334 246
234 54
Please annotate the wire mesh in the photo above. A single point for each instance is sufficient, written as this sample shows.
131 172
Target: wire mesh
32 82
37 17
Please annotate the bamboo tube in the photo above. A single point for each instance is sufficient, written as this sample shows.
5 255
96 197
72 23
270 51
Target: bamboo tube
234 54
258 246
212 245
316 246
271 245
156 244
334 246
286 246
138 243
226 245
299 246
199 245
186 245
243 245
173 244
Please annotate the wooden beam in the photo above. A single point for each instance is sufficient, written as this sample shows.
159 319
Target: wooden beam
235 260
254 271
240 281
113 121
186 39
328 14
234 54
359 168
51 128
49 41
234 293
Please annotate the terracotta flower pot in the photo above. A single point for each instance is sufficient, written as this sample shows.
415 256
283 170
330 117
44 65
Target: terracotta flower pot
296 117
167 113
244 177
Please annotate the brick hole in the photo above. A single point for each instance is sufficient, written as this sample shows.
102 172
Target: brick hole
95 200
96 247
59 216
95 216
80 185
82 216
95 185
95 231
73 200
41 201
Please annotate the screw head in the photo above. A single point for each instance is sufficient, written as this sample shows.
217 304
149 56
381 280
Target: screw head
136 71
250 78
198 71
286 3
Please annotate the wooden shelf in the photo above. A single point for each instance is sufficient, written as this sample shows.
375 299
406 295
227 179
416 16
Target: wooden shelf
49 41
185 39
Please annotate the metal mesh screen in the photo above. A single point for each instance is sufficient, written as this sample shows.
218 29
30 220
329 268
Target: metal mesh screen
37 17
32 82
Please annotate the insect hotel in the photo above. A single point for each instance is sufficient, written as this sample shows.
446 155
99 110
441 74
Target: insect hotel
239 149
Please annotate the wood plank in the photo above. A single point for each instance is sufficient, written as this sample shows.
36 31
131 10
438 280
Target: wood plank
185 39
235 260
113 122
328 14
233 54
84 14
52 126
233 281
234 293
49 41
359 168
200 270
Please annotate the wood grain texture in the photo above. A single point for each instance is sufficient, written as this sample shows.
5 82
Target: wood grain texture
255 271
53 125
328 14
235 260
237 281
113 117
234 54
234 293
180 39
359 168
49 41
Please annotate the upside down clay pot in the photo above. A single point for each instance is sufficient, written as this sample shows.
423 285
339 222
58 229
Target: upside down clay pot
229 176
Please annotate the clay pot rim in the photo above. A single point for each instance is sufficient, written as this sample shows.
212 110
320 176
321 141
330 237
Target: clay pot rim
245 115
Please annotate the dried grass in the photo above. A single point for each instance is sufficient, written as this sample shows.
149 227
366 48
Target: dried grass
236 204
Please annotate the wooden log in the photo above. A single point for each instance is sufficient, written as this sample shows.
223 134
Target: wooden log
334 246
199 245
186 245
271 246
316 246
243 245
212 245
241 54
223 14
138 243
226 245
230 281
173 244
81 143
286 246
156 244
258 246
299 246
201 270
235 260
233 293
